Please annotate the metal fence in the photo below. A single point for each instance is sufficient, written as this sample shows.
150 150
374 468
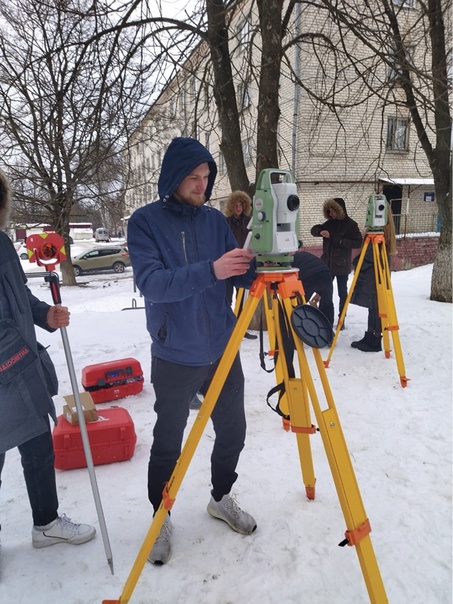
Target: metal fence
416 223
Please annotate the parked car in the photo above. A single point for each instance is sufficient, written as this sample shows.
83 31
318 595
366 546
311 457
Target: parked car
102 258
21 249
101 234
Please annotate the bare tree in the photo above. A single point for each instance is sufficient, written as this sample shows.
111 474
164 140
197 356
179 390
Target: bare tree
66 107
356 45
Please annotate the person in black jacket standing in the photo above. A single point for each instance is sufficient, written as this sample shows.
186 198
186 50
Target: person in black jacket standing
340 236
27 383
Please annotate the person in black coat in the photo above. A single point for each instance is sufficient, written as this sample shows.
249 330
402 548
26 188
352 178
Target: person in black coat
316 279
27 383
340 236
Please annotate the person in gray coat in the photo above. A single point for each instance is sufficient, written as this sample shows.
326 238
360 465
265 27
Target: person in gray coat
27 383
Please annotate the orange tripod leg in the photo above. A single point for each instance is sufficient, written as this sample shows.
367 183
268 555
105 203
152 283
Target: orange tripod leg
387 310
297 403
357 522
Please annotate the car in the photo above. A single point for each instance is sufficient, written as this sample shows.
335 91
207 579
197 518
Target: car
102 234
112 257
21 249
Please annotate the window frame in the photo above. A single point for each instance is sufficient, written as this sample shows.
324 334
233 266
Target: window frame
394 123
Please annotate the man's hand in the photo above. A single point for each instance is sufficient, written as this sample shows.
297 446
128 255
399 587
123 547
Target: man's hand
234 262
58 316
325 234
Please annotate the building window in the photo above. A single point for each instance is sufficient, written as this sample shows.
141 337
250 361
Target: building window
222 165
404 3
397 134
394 69
173 107
450 68
243 36
244 100
182 99
194 86
247 152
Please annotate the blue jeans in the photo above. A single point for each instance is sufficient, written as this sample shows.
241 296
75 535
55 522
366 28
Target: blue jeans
175 386
37 457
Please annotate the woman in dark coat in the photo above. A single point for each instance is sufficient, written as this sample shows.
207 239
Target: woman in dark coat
340 236
365 294
27 384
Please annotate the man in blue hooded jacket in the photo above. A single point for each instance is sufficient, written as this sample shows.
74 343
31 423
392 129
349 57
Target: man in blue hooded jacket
182 251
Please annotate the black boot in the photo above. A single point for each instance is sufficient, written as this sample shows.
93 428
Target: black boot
364 340
372 345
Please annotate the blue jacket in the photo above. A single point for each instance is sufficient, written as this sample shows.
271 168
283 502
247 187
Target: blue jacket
173 246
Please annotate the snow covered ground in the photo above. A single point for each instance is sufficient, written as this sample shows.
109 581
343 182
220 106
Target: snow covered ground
399 439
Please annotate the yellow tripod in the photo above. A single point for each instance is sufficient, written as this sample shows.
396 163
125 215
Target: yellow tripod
285 289
386 303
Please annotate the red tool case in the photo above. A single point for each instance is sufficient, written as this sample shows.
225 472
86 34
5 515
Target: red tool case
112 438
113 380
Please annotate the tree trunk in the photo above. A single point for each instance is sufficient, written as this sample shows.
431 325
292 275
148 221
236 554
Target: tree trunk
441 276
67 273
225 96
441 279
440 158
270 14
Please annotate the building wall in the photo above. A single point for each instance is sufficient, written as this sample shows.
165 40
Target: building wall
411 252
415 251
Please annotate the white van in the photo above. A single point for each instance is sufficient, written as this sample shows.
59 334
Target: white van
101 234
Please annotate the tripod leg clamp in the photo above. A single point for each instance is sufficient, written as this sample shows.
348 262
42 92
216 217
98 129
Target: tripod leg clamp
166 500
303 430
353 537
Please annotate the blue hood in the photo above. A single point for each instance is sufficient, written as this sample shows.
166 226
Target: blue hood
181 158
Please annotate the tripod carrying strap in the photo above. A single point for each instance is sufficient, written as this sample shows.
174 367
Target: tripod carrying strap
280 388
262 352
288 351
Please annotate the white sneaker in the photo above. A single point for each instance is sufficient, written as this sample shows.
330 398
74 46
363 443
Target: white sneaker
229 511
62 530
161 552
